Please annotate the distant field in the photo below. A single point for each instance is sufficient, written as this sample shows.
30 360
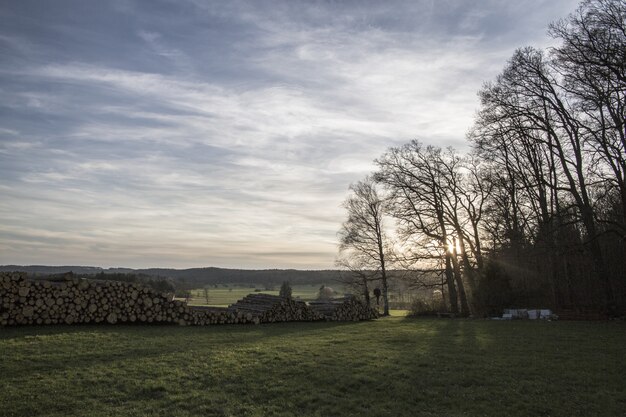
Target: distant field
389 367
223 295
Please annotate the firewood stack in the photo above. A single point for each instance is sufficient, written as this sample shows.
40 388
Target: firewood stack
203 316
268 308
71 300
343 309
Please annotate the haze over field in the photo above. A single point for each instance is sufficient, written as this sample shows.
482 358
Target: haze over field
193 133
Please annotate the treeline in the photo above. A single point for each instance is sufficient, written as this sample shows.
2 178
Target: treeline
194 277
199 277
159 284
535 213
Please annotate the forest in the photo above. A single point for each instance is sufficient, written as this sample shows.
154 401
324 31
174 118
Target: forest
533 214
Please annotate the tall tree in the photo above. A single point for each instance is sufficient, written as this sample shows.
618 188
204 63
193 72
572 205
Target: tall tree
592 61
418 180
541 197
362 235
528 91
554 125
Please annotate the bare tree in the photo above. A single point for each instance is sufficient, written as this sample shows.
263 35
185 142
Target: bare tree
358 273
553 126
206 295
541 197
428 218
592 62
362 236
547 108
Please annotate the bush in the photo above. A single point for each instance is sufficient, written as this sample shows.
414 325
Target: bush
426 307
182 294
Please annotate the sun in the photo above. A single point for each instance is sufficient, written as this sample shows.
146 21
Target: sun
454 246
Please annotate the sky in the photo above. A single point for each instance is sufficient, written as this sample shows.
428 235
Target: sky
192 133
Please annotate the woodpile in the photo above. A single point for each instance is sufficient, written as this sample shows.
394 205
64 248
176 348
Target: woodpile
72 301
203 316
343 309
268 308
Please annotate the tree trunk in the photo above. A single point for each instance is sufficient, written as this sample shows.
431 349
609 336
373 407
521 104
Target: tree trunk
452 294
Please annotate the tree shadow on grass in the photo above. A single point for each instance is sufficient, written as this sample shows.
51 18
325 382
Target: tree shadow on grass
391 367
143 329
482 367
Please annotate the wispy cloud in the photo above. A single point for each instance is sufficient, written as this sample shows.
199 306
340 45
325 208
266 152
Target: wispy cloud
226 133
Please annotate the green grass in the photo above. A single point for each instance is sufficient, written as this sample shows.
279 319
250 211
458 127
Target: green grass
397 313
389 367
223 295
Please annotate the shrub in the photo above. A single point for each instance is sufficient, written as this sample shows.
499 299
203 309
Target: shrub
426 307
182 293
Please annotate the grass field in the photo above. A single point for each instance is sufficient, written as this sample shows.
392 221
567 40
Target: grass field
389 367
223 295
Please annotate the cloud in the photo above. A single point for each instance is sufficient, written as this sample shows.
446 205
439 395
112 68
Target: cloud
226 133
176 56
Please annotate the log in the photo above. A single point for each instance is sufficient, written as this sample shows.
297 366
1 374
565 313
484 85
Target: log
72 301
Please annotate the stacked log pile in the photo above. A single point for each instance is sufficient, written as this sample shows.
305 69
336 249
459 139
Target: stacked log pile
72 301
266 308
80 301
203 316
344 309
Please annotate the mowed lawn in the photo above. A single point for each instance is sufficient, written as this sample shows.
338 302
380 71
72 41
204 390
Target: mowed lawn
389 367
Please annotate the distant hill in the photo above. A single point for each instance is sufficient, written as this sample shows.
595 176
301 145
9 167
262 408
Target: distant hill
195 277
52 270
